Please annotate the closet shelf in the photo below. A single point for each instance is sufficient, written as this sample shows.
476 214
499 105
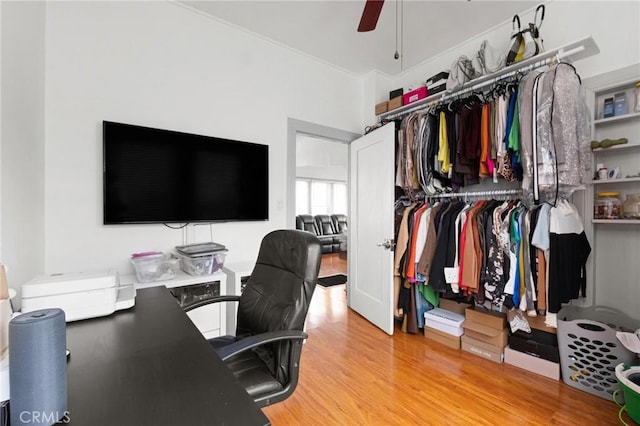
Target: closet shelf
618 221
617 147
607 120
621 180
577 50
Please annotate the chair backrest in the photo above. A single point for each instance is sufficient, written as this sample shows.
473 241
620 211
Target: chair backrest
324 224
278 293
339 222
306 222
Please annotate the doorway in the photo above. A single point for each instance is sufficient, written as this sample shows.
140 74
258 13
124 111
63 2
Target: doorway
317 184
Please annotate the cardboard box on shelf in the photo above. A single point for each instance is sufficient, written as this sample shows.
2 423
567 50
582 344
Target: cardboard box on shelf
414 95
438 336
453 306
531 363
482 349
395 103
493 319
486 334
382 107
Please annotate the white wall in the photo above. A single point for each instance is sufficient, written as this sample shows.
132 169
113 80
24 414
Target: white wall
161 65
614 25
376 89
22 140
321 159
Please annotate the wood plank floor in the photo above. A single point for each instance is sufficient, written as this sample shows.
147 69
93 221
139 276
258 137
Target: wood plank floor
354 374
332 264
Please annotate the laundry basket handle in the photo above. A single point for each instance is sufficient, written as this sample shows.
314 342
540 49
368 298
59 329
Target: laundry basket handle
607 310
591 326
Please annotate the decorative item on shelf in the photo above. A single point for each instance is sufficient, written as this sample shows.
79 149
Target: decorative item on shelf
601 172
631 207
636 107
614 173
608 110
606 143
620 104
607 205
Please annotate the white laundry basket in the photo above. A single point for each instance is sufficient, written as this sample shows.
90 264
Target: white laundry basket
589 348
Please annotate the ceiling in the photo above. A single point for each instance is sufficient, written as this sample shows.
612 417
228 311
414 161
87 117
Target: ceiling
327 29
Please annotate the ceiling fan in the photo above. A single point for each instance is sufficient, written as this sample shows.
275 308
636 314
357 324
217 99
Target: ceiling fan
370 15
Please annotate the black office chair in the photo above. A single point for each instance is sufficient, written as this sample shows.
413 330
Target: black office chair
265 353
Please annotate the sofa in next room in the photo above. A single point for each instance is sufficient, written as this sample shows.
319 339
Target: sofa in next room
330 230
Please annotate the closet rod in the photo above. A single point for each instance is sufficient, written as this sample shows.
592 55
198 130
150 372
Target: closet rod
462 90
490 193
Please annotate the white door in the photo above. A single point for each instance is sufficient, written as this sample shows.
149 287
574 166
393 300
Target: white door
371 180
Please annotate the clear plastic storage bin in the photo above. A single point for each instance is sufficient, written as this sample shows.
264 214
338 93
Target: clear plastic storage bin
156 267
204 264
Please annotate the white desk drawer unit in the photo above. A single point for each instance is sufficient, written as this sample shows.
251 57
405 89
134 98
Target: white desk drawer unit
210 319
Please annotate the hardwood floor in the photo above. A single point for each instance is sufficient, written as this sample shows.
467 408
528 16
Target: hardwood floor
352 373
332 264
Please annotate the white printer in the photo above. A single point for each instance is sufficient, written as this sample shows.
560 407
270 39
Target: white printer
79 295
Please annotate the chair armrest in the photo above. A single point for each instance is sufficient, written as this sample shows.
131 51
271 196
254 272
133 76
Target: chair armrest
205 302
251 342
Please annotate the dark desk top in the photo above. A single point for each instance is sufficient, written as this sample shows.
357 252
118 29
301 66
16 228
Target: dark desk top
150 365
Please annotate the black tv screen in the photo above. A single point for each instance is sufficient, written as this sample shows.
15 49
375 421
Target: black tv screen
162 176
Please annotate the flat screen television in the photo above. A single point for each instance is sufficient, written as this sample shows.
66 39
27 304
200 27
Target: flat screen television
162 176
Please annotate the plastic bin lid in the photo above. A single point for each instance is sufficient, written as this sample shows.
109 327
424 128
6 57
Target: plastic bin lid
203 254
444 316
200 249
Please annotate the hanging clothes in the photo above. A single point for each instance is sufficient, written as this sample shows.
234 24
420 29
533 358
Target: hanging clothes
569 250
524 254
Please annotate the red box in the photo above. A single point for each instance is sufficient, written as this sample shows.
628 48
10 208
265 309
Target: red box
414 95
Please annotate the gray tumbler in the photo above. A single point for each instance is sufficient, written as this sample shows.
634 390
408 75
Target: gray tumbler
38 367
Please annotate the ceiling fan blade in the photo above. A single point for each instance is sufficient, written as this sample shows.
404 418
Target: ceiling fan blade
370 15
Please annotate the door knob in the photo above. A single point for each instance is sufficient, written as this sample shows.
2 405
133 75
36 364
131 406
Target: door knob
387 244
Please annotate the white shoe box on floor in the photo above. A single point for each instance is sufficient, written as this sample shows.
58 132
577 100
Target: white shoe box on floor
445 321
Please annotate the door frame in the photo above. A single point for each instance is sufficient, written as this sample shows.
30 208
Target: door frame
295 127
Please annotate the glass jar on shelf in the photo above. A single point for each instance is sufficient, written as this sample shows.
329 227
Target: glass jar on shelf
636 106
631 207
607 205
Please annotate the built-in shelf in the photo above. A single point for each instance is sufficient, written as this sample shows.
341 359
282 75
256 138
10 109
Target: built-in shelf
580 49
607 120
618 221
617 147
621 180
